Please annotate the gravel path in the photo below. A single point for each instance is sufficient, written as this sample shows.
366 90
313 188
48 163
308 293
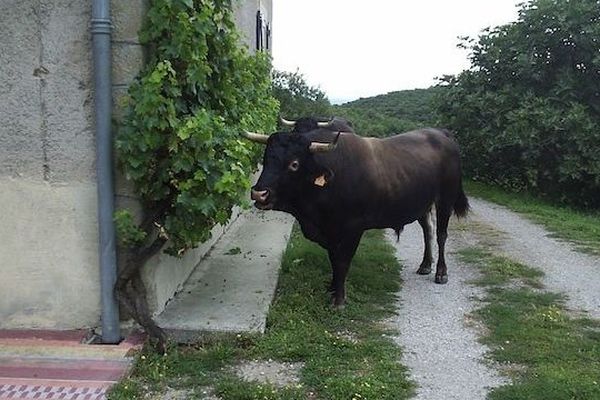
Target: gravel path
567 271
440 350
440 345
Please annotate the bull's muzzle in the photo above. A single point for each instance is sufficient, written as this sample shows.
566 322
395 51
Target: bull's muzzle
259 195
262 199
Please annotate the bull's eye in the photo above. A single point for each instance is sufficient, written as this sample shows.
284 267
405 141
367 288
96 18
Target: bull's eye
294 166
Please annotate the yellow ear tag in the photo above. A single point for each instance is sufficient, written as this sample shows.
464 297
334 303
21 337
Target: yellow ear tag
320 181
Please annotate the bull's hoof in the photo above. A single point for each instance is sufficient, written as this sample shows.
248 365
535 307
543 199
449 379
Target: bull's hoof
441 279
424 270
338 304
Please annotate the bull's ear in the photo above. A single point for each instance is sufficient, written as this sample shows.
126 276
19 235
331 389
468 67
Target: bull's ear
324 178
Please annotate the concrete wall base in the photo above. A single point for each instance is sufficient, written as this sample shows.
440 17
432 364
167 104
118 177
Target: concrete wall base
165 275
49 274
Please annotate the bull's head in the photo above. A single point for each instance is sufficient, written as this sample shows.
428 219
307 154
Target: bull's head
306 124
289 168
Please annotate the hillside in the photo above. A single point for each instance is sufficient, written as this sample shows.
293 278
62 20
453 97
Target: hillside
389 113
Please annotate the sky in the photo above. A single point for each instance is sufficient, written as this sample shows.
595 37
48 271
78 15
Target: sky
351 48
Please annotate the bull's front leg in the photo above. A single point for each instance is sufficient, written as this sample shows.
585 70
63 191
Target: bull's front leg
340 257
338 282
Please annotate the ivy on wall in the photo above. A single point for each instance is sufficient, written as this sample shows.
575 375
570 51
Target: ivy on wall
179 142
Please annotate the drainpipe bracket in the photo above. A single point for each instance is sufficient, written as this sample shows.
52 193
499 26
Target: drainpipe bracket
101 26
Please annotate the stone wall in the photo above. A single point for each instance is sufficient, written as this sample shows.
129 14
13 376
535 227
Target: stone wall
48 225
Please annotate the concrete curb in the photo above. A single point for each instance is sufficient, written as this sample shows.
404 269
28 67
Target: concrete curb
232 287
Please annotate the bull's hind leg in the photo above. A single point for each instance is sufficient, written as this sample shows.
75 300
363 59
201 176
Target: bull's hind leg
443 213
426 223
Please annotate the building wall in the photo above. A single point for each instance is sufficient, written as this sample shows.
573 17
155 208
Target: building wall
245 15
49 274
48 231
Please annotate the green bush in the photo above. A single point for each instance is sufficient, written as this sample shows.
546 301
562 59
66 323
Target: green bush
527 112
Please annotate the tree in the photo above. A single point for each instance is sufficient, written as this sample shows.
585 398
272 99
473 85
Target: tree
298 99
527 112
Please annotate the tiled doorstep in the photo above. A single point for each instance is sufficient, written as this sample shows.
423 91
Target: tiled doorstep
58 365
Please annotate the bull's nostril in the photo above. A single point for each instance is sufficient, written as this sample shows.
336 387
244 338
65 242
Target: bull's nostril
260 195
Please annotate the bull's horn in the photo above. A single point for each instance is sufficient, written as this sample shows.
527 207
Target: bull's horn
326 124
318 147
256 137
287 122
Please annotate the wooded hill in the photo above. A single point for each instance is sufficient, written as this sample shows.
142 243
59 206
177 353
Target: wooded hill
390 113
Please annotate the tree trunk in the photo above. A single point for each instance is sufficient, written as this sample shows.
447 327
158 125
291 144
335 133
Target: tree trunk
131 291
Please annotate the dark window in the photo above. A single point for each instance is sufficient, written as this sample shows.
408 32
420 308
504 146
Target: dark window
263 33
268 37
259 31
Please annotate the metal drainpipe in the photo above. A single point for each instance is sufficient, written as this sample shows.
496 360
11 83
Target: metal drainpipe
101 46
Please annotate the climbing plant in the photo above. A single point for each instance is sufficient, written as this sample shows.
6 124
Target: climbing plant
179 142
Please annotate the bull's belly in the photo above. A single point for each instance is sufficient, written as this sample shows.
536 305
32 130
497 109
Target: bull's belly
390 216
394 223
343 217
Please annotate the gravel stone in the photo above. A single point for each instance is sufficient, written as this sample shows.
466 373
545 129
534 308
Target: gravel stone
279 374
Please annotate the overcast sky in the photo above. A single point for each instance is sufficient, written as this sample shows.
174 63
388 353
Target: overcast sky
353 49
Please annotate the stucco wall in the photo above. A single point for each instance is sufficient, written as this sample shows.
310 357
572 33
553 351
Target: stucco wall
48 229
49 274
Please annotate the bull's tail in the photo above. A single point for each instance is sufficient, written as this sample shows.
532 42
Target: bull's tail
461 206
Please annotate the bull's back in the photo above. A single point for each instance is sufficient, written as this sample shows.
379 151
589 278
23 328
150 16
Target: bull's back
416 165
392 181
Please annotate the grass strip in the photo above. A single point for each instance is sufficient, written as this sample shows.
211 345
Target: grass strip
345 354
579 227
548 353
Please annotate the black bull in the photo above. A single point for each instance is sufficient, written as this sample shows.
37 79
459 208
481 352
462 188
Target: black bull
307 124
338 190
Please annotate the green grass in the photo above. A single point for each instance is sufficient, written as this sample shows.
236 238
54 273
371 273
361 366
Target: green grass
500 270
346 354
549 354
579 227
